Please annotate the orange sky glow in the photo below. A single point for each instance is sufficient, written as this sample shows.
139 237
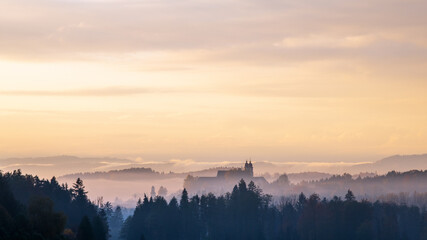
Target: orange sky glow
282 81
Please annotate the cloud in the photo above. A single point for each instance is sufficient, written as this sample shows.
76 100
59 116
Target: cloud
320 41
95 92
78 29
187 162
111 165
321 164
18 165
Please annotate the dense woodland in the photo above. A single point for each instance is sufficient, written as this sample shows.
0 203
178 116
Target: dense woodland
246 213
368 187
31 208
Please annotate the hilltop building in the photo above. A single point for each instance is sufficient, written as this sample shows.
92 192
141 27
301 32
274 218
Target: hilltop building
224 180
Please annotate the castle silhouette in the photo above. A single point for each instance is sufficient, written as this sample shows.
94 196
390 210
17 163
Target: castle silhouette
224 180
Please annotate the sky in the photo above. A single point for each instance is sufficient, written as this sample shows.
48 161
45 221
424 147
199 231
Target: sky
224 80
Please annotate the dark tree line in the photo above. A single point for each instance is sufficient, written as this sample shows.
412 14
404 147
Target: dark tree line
247 213
31 208
371 186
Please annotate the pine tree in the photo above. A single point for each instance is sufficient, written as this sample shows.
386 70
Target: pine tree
183 203
349 196
100 226
242 186
108 208
162 191
79 191
116 222
85 231
302 200
251 186
43 219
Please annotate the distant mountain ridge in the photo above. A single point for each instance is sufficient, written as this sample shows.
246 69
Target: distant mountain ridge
140 174
400 163
59 165
63 165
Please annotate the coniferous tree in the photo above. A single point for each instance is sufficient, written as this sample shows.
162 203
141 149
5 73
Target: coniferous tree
125 231
85 231
81 205
173 219
302 200
246 213
43 219
183 203
162 191
423 234
349 196
79 191
115 223
108 209
100 226
34 208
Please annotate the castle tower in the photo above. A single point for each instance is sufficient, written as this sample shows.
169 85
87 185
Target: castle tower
249 168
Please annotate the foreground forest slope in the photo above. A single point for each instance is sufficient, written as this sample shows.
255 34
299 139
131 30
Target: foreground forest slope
247 213
31 208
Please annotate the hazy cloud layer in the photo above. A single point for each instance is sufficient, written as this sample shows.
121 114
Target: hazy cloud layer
100 92
70 165
273 30
60 165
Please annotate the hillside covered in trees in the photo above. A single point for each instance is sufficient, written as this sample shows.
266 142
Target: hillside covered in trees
31 208
406 184
247 213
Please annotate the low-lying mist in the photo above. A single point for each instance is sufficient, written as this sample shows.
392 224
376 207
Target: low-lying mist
125 187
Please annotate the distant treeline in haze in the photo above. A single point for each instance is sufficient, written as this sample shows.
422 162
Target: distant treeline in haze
411 184
31 208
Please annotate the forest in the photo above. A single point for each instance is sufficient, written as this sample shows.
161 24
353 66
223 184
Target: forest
31 208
